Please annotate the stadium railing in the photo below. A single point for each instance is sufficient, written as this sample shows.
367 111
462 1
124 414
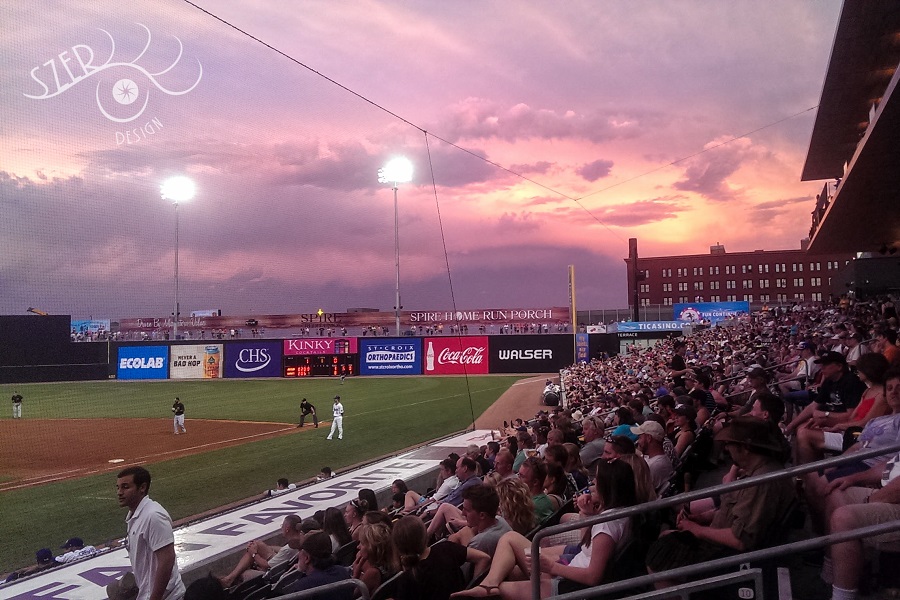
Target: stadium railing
706 493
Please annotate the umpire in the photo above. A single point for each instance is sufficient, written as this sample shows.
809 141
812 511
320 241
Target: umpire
307 409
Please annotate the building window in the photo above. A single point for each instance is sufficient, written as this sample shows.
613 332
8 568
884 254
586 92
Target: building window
816 281
698 271
781 298
667 287
798 282
746 268
698 285
667 272
713 285
682 286
763 283
748 297
645 301
698 299
667 301
682 272
730 284
730 298
714 299
748 284
682 299
764 298
800 297
714 270
816 296
730 269
764 268
798 267
645 288
781 283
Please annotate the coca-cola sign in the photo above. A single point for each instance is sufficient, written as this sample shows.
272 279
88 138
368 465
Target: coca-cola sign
456 355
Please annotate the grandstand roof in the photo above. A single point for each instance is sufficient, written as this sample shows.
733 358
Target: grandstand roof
862 74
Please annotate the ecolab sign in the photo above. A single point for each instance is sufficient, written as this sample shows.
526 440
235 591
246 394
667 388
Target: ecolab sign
456 355
253 359
530 353
143 362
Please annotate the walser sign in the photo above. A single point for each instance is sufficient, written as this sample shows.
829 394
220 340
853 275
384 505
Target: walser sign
530 353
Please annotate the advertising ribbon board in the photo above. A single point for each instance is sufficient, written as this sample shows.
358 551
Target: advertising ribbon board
709 311
390 356
652 326
530 353
143 362
196 362
456 356
253 359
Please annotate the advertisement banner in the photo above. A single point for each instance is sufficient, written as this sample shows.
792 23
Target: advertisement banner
92 326
143 362
321 346
456 356
196 362
652 326
253 359
390 356
709 311
530 353
582 348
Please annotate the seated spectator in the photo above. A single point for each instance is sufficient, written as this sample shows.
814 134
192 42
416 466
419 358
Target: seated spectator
575 467
586 564
337 523
559 456
823 432
555 485
526 449
650 443
503 467
839 392
448 480
474 452
448 508
592 429
483 527
616 446
74 550
431 572
758 380
532 473
260 557
375 561
643 484
516 505
683 435
353 516
208 588
746 519
317 561
324 474
368 495
767 407
805 370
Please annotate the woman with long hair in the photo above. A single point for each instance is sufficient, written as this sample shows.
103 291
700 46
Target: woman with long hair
375 561
685 426
334 525
353 516
587 565
575 467
643 482
516 504
430 572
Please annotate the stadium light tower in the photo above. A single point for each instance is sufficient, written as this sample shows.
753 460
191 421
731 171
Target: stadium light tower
177 189
398 170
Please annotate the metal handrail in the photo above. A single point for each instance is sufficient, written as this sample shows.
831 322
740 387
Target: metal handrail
740 484
325 590
772 368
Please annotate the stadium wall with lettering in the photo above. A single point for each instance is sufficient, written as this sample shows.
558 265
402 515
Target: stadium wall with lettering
195 361
397 356
143 362
253 359
530 353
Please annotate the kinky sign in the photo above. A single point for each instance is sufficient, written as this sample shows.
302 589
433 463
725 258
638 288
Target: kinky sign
123 89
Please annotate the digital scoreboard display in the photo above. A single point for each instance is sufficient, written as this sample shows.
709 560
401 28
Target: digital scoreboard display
320 365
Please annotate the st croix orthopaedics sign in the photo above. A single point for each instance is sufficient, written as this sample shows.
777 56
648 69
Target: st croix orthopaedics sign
124 86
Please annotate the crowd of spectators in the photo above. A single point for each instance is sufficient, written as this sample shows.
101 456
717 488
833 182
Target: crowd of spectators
749 395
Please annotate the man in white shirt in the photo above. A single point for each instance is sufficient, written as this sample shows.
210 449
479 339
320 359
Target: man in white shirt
150 540
650 442
338 422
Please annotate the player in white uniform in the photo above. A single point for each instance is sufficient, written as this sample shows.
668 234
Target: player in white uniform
338 422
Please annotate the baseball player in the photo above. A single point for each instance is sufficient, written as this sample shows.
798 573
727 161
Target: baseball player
338 422
178 409
17 405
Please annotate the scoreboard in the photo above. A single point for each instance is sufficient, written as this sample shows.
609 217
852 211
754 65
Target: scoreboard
320 365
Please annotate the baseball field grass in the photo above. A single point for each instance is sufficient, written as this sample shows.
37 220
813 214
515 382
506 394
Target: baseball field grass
382 415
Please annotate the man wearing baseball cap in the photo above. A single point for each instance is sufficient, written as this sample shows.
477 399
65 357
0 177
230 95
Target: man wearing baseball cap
338 421
840 391
75 549
650 436
317 561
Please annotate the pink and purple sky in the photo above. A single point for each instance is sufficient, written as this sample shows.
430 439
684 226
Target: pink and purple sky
586 100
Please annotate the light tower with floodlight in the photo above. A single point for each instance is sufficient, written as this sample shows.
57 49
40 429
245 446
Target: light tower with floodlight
398 170
177 189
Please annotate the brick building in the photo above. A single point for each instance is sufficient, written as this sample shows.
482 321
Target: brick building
759 277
